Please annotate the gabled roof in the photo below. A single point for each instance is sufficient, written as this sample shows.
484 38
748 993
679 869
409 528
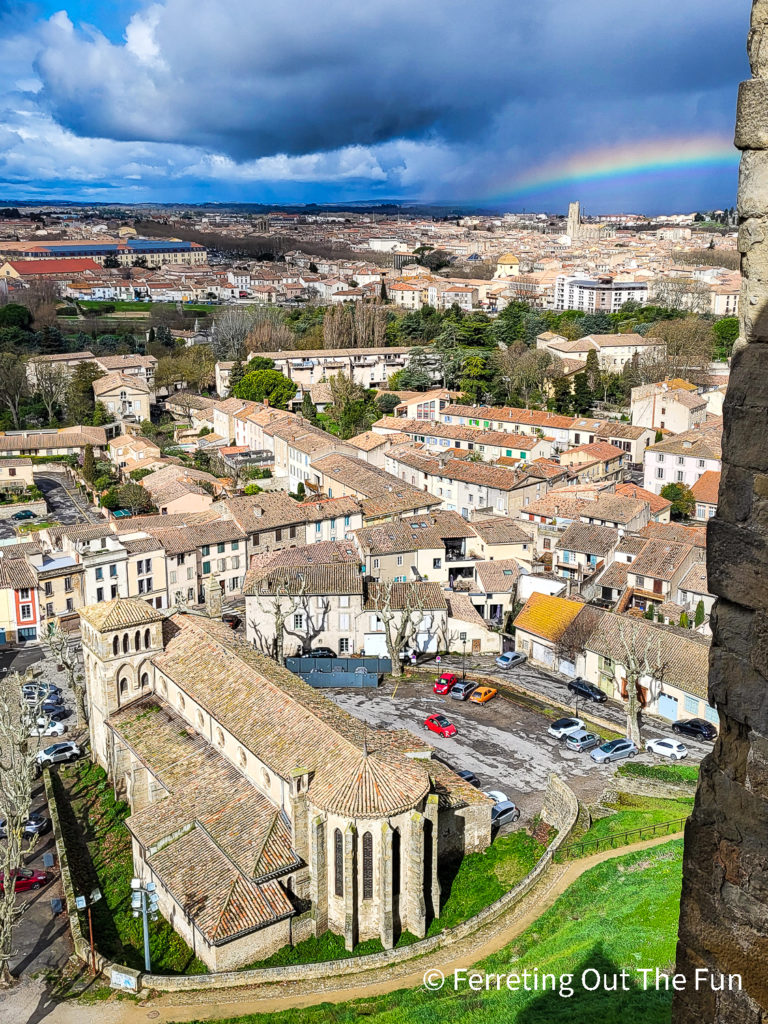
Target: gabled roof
706 487
120 612
546 616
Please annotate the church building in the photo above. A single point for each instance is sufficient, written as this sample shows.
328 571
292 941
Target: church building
264 813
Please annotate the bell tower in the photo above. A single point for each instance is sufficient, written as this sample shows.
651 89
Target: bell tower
119 638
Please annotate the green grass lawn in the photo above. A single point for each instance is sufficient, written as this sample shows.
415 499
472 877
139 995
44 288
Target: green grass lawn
34 527
661 772
99 852
481 879
619 915
632 812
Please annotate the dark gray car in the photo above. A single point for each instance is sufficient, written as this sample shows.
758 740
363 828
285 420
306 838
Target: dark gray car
462 689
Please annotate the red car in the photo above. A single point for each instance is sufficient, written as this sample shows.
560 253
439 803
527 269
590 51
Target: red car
444 682
25 879
439 723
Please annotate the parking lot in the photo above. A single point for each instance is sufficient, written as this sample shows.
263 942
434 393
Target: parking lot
65 505
42 939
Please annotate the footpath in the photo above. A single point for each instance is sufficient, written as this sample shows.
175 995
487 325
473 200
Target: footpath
30 1003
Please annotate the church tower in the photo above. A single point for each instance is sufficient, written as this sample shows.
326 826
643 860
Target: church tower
119 639
574 220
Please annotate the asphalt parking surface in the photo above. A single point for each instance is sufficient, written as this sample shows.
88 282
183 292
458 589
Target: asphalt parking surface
65 505
42 938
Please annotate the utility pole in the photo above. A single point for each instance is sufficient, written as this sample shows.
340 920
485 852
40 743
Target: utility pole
83 903
144 901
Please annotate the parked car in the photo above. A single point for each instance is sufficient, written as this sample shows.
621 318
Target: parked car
34 696
667 748
440 724
496 795
581 688
615 750
408 654
582 740
59 752
35 825
321 652
482 694
40 688
444 682
696 728
24 879
470 777
47 727
504 813
462 689
231 620
55 712
24 514
564 727
511 658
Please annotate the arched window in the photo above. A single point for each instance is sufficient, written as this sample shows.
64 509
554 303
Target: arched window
338 863
242 757
367 866
137 640
396 862
126 643
115 645
181 703
147 638
265 779
163 688
145 679
200 719
220 737
123 686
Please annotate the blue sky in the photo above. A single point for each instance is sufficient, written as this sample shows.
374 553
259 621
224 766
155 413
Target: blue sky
332 101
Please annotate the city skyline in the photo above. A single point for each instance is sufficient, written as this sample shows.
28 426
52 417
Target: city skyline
140 102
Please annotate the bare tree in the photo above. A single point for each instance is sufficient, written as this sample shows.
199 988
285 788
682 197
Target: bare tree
17 775
57 642
689 343
13 384
400 608
51 382
279 604
680 293
638 666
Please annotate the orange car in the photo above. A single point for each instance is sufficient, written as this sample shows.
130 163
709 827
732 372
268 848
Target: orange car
483 694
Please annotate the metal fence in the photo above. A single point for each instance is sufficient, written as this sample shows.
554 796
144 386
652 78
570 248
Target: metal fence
619 839
352 672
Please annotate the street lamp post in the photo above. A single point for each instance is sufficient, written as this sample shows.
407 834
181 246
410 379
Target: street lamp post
83 903
144 901
463 638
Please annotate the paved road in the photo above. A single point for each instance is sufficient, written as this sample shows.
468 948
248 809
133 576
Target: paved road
65 504
553 686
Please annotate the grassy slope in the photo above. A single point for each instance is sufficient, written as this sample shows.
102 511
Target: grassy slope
622 913
635 812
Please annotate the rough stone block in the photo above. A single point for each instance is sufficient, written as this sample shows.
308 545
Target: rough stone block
738 563
752 115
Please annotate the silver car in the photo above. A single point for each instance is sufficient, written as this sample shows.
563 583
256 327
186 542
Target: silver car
615 750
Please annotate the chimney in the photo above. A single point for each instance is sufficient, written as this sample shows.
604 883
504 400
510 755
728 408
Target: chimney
266 402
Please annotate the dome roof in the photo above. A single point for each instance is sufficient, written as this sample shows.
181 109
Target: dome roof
508 259
357 784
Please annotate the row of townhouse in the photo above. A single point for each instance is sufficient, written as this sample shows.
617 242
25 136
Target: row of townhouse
489 445
579 639
369 367
683 458
563 432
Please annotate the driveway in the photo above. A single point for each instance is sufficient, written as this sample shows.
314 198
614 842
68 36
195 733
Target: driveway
65 504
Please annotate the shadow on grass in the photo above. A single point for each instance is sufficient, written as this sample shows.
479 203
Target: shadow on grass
599 993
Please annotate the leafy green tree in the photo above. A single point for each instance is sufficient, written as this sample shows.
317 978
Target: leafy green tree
659 436
100 415
476 378
111 499
684 621
308 408
258 363
726 332
699 614
236 374
508 326
387 403
79 399
582 394
89 464
15 315
383 296
649 613
596 323
561 395
139 474
683 501
592 370
135 498
416 375
266 385
534 324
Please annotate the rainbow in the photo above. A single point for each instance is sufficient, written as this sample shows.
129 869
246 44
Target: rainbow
651 156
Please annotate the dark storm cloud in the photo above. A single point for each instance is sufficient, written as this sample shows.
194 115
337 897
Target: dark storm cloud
255 79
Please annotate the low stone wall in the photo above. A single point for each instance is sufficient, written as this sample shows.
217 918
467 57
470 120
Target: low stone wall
38 507
639 786
524 691
564 810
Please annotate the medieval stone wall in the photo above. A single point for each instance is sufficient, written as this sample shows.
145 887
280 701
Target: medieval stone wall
724 910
